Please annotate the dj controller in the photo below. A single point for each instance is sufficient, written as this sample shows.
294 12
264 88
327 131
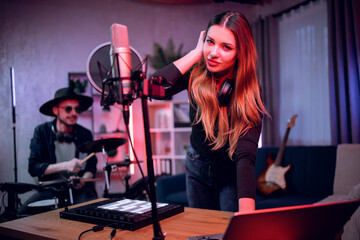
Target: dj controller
121 213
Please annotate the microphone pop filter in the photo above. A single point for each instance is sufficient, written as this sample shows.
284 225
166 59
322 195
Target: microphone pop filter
99 67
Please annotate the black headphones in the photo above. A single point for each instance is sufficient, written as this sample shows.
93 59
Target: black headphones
225 92
61 137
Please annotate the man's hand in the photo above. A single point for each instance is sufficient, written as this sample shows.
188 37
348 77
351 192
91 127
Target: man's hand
77 182
73 166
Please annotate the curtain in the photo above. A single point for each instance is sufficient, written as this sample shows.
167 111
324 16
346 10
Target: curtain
293 55
266 40
304 80
344 67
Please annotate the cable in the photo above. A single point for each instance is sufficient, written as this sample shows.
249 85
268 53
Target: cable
112 234
89 230
94 229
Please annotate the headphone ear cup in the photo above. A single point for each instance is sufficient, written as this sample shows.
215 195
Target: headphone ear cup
225 93
60 137
69 137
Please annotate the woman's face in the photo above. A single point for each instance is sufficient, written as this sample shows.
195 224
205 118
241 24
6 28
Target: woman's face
220 50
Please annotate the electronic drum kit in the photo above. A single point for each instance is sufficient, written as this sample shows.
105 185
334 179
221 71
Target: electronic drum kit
59 186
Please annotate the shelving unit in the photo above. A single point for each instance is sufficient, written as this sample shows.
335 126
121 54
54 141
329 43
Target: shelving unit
170 134
106 124
169 129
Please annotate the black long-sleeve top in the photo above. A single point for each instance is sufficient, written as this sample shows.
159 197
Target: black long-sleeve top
242 168
42 150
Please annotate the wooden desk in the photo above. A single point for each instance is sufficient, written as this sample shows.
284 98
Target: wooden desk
49 225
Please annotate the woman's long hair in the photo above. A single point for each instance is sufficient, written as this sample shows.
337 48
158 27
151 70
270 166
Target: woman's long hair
246 108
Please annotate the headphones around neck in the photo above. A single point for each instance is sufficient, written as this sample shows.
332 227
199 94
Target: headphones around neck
225 93
61 137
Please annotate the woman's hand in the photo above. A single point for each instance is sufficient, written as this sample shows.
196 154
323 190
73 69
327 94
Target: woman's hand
200 44
246 205
187 61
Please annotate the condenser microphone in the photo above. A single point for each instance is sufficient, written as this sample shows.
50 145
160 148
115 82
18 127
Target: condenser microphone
120 56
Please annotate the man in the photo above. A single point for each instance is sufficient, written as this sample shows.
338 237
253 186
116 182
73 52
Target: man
54 147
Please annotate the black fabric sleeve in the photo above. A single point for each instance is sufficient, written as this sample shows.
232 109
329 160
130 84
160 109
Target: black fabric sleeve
175 81
245 156
39 158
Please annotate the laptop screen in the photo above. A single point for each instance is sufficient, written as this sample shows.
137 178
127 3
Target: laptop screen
311 221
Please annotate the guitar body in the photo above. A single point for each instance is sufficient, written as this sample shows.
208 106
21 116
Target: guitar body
269 187
276 174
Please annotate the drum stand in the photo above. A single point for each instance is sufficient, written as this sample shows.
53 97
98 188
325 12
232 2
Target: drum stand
59 189
13 189
107 170
11 211
61 196
131 192
103 145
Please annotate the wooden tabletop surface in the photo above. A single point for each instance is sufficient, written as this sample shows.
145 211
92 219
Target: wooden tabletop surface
49 225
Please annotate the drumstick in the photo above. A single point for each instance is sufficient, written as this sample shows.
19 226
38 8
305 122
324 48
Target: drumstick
90 179
87 158
84 180
52 182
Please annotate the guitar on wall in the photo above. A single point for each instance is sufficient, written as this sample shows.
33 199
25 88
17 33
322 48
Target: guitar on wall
272 179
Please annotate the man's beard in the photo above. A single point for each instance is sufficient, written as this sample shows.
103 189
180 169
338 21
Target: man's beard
67 124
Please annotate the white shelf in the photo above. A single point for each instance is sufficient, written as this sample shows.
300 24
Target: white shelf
160 130
182 129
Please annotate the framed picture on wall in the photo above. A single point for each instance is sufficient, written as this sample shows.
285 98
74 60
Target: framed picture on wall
80 83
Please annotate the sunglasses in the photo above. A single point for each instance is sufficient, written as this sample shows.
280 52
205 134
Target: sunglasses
68 109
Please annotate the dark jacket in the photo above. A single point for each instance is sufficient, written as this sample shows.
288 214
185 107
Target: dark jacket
42 150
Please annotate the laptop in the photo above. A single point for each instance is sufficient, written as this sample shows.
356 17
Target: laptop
303 222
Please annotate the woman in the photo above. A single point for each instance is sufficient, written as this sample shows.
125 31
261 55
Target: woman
226 114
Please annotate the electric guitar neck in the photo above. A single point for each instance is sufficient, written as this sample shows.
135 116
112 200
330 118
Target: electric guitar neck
272 179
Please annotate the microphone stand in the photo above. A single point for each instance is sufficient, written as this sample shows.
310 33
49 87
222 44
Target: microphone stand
150 168
125 101
158 235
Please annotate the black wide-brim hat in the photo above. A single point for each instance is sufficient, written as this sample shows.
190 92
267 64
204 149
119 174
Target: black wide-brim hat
65 94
